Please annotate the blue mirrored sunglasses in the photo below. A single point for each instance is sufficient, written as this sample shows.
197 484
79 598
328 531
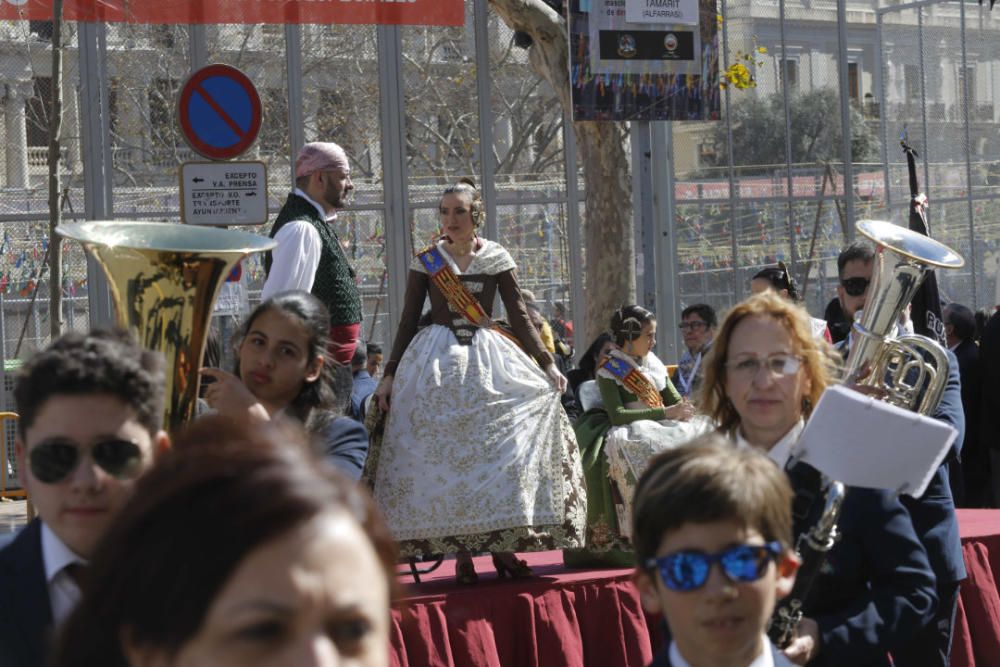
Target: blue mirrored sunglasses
688 570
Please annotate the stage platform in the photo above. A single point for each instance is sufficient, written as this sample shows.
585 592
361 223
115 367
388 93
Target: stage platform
592 618
559 617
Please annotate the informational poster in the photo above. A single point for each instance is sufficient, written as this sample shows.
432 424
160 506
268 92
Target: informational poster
405 12
223 193
679 12
644 59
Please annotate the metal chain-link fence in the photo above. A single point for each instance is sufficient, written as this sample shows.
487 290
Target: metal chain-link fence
776 179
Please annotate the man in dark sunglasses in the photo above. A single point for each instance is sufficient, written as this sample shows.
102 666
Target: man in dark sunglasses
90 410
712 535
854 272
933 514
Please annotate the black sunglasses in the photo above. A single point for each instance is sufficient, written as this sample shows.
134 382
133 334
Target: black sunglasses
53 460
855 286
688 570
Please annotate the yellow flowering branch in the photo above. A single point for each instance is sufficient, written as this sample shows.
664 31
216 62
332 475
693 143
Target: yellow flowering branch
741 74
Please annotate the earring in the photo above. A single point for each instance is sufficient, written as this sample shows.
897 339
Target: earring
806 404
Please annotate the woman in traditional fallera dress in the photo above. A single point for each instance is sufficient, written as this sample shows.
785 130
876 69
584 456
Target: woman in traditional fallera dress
477 453
639 414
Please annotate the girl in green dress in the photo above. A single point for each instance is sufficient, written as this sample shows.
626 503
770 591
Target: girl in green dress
640 413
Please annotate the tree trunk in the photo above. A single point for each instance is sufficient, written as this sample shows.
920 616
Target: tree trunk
55 214
609 251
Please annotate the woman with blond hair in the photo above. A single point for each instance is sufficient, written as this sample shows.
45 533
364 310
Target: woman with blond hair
763 376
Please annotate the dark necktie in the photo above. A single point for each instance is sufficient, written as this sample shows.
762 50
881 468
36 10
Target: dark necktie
77 572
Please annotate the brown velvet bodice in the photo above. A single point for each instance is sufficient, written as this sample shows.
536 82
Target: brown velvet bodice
484 287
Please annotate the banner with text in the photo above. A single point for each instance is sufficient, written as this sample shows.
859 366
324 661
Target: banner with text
399 12
644 59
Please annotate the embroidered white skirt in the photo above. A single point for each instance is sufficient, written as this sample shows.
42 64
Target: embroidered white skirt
478 453
630 447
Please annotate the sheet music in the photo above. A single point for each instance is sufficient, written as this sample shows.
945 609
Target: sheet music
862 441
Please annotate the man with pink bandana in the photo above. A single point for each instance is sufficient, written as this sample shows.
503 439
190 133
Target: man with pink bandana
309 255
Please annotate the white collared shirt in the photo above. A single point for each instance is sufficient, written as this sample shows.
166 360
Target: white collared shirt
783 449
767 657
295 260
64 594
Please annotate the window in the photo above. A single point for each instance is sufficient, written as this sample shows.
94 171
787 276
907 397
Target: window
968 75
113 111
41 29
37 112
161 112
274 133
163 35
853 82
912 82
789 67
330 117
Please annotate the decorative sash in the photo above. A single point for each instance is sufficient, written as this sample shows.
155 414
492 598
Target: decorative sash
457 294
634 380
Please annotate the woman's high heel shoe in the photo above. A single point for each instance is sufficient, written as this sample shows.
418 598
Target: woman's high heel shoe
509 565
465 571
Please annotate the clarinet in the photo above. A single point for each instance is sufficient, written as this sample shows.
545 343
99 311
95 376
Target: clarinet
812 547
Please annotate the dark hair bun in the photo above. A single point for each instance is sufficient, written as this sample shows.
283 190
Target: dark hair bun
468 180
627 323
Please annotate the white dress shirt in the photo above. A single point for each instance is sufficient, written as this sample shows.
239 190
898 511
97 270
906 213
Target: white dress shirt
783 449
768 657
64 594
295 260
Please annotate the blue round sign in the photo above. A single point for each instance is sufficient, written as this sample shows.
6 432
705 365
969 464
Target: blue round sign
219 112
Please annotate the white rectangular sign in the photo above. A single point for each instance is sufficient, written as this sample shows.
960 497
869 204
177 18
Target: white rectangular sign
682 12
224 193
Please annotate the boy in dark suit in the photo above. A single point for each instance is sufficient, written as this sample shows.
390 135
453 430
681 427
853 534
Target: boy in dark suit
90 411
704 505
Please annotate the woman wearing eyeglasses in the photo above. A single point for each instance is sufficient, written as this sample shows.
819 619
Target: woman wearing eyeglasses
764 374
640 414
780 280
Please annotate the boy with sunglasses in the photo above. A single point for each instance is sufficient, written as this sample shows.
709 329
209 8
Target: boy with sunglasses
713 530
90 411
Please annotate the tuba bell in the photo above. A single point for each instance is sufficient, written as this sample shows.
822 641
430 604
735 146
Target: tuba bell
911 370
164 279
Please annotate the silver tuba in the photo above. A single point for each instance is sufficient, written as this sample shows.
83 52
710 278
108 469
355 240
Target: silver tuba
164 279
898 366
912 370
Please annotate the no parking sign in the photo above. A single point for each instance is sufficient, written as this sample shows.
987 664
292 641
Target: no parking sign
219 112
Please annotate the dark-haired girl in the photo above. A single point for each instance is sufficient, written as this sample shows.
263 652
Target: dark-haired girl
778 278
283 369
641 414
478 454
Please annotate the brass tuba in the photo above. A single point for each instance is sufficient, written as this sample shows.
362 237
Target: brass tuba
912 370
898 366
164 279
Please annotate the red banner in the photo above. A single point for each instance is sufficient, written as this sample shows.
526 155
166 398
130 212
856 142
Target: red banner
400 12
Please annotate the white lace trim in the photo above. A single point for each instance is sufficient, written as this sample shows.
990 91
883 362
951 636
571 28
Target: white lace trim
491 260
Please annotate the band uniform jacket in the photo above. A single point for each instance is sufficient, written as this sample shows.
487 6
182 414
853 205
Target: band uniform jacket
876 588
25 611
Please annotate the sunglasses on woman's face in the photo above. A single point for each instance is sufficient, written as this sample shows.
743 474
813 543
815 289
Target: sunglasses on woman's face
688 570
53 460
855 286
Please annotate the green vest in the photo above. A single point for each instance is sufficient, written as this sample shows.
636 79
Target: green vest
334 283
